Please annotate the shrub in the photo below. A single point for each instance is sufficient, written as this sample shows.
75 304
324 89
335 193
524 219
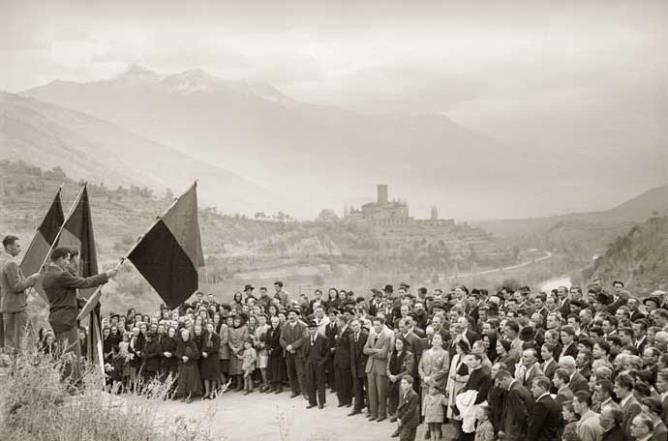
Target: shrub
36 406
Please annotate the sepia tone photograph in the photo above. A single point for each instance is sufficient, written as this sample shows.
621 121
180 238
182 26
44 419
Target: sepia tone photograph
308 220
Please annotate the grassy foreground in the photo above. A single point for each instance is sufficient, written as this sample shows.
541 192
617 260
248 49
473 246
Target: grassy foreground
36 406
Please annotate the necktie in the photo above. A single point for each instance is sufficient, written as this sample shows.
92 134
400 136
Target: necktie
356 337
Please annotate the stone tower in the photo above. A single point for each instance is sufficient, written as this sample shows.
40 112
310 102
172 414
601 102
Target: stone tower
382 194
434 213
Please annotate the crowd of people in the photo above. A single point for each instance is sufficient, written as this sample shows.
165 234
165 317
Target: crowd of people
515 364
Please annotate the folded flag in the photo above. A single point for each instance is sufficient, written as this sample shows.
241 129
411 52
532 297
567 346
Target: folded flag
40 246
170 253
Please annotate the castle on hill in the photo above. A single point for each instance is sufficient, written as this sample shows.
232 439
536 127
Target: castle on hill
384 212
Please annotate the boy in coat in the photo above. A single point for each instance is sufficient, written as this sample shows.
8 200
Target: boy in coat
408 412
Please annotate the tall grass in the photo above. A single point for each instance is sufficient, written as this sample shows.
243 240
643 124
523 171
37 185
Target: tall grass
36 406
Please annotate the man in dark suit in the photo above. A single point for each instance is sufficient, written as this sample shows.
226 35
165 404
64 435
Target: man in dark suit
408 411
331 331
568 340
343 376
293 337
376 303
576 381
358 364
549 366
546 422
316 352
61 286
623 389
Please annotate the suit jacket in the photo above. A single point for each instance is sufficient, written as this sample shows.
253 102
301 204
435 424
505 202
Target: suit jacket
294 336
578 382
614 434
571 350
408 409
342 357
12 288
546 421
413 344
564 394
531 373
664 415
660 432
631 408
358 358
479 381
316 351
377 362
61 290
375 307
548 368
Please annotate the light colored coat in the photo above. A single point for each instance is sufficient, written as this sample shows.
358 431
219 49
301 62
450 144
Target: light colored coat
377 362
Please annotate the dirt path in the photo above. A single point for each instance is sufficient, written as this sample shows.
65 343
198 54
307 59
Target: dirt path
262 417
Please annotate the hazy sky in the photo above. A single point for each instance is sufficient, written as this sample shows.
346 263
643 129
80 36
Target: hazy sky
572 75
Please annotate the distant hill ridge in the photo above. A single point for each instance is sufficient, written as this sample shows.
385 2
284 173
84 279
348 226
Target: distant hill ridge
638 258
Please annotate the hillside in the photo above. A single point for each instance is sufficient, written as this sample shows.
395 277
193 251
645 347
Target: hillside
88 148
312 153
581 236
638 258
240 250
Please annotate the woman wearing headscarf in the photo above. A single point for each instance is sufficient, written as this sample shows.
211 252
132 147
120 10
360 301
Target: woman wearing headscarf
169 364
276 361
209 361
189 382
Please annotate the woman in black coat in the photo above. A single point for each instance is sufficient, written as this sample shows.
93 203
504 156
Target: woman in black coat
209 364
169 364
150 356
187 352
276 365
401 362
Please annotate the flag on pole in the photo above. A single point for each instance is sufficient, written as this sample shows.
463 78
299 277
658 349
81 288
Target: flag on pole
170 253
77 233
46 234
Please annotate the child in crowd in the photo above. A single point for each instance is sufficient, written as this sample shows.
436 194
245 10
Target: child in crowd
249 360
484 431
434 412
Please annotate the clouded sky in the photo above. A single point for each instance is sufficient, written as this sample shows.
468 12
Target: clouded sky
589 74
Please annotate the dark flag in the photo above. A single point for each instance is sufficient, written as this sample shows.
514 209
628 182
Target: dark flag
40 246
170 253
77 233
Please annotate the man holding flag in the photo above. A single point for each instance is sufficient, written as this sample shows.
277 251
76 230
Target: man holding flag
61 288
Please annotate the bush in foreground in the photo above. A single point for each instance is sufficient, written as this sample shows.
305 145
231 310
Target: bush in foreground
36 406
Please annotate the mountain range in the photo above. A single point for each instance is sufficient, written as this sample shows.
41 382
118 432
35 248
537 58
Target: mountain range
317 156
88 148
